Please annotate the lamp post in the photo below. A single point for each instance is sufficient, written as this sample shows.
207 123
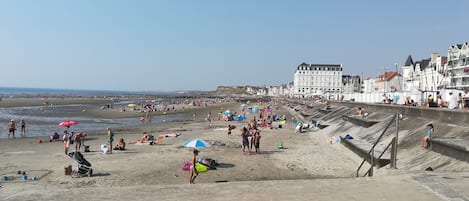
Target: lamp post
384 79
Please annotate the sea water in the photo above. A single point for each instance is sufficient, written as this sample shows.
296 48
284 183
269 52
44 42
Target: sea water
43 120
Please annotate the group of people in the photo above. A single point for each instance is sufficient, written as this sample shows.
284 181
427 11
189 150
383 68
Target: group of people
12 128
452 101
251 137
69 138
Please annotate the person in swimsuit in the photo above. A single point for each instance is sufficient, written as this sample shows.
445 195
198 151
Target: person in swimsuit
257 140
78 141
244 134
11 128
110 135
193 170
23 128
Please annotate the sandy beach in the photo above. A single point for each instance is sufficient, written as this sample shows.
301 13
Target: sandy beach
306 156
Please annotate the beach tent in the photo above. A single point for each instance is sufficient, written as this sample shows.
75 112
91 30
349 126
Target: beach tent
255 109
227 113
239 118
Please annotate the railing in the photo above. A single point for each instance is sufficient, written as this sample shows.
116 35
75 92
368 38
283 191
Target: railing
372 150
370 171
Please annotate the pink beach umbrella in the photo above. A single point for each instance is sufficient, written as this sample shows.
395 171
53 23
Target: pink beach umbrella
67 123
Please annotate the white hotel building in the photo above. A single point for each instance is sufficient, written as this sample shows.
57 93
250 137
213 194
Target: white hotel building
458 65
317 79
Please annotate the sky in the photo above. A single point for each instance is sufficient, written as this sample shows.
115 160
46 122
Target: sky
200 44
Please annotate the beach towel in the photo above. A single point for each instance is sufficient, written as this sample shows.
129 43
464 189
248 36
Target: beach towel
198 166
334 140
348 137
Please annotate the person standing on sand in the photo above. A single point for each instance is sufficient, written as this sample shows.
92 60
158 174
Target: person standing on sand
11 128
244 134
23 128
193 170
257 141
193 116
66 139
110 136
209 115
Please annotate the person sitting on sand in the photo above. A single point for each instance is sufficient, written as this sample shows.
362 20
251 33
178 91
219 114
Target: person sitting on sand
120 145
54 137
359 112
146 137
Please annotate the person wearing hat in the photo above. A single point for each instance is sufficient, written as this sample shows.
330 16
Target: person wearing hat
11 128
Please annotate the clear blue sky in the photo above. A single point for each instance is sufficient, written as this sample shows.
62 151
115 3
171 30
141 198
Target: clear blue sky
199 44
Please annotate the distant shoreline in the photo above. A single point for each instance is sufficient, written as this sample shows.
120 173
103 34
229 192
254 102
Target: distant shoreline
19 92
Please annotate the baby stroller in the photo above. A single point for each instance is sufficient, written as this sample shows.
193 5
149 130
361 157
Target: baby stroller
84 167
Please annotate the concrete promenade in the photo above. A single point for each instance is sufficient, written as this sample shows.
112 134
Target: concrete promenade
423 187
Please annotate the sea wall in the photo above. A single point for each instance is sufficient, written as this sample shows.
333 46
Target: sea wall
442 115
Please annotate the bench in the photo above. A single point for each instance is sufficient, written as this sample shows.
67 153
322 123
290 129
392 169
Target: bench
361 148
453 147
359 121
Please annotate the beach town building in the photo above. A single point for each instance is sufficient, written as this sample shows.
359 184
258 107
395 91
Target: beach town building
410 75
425 75
351 84
458 65
317 79
282 90
369 85
389 82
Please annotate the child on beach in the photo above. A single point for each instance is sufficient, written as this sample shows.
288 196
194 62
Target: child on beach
428 136
230 128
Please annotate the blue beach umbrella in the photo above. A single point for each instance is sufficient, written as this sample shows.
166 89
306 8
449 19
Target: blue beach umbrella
226 113
197 143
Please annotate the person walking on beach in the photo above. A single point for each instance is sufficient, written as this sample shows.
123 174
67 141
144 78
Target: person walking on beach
193 170
257 140
11 128
230 128
110 136
209 119
23 128
428 136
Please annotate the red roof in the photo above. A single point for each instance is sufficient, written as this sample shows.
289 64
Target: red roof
387 76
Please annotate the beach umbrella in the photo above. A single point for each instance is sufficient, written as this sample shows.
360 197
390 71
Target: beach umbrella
197 143
67 123
226 113
132 105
